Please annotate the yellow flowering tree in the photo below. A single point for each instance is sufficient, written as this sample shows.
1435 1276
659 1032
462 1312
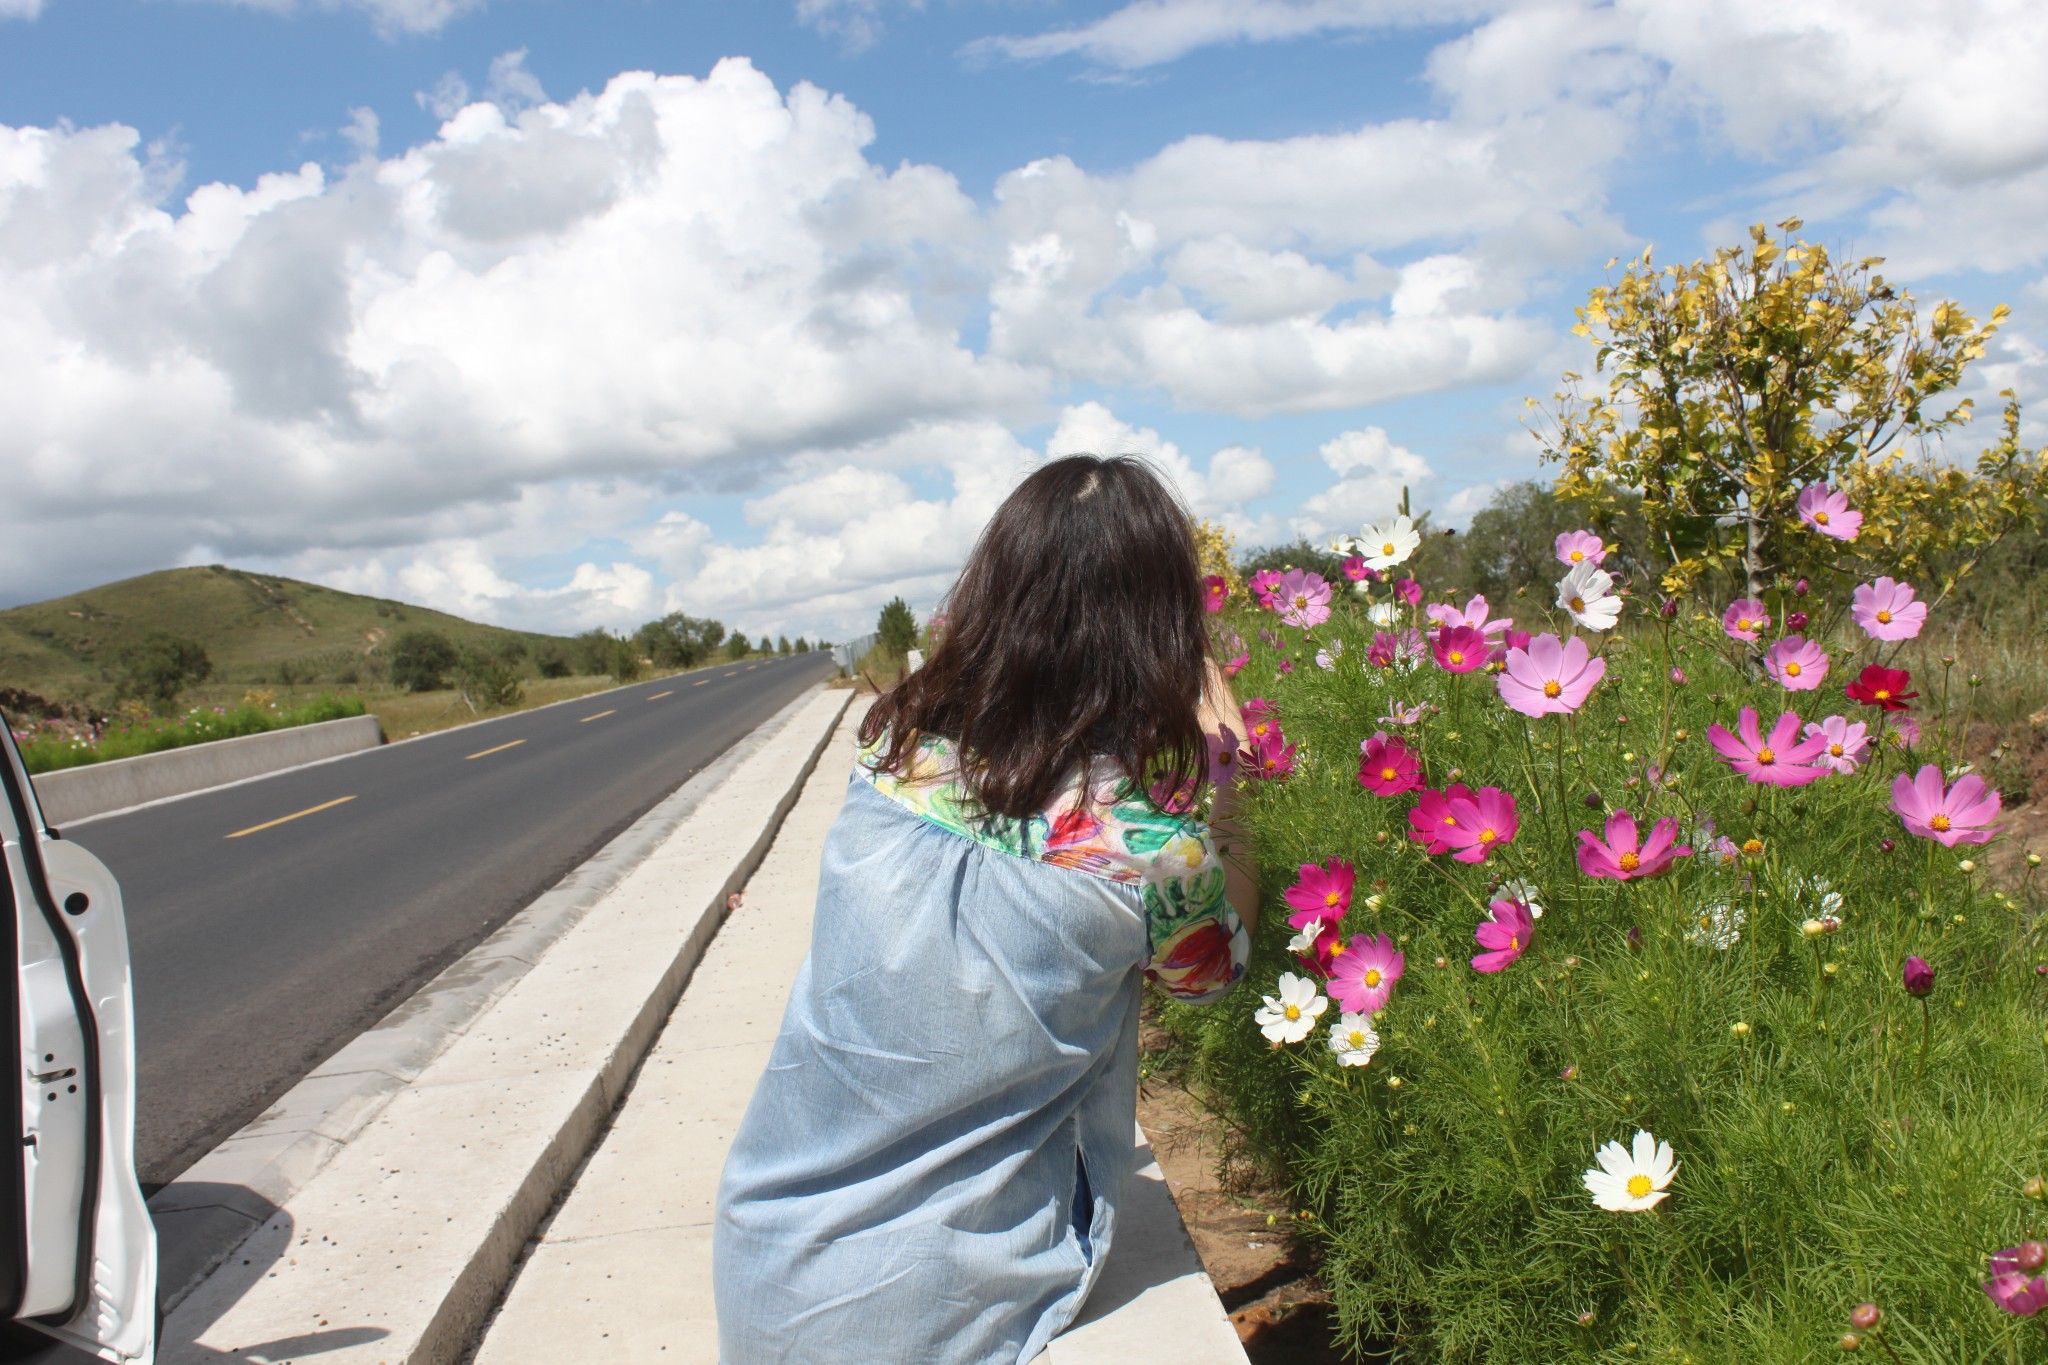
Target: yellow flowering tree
1215 552
1724 386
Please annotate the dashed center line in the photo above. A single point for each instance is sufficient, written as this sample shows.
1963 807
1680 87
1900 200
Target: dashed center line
700 682
599 716
659 695
486 753
295 815
734 674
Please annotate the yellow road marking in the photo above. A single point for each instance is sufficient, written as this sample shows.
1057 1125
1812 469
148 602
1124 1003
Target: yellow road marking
659 695
599 716
486 753
700 682
282 819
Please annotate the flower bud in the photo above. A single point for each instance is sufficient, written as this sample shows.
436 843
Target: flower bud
2030 1256
1967 866
1678 676
1948 661
1588 1318
1393 1082
1918 977
1752 848
1787 1107
1812 928
1668 608
1795 620
1885 845
1635 936
1570 1073
1976 680
1591 800
2035 1188
1851 1342
1739 1028
1800 588
2033 860
1865 1316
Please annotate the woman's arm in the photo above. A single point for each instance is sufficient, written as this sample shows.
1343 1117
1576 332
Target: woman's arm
1233 841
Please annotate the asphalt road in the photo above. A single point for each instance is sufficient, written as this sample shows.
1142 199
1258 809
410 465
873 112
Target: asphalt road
272 922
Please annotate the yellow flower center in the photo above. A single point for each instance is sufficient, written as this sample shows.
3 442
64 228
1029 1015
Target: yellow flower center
1300 600
1457 656
1450 819
1514 943
1578 604
1578 555
1792 669
1487 836
1834 751
1752 846
1553 688
1884 618
1336 949
1764 755
1357 1038
1630 862
1372 976
1388 774
1706 921
1294 1011
1638 1185
1821 517
1330 898
1939 822
1883 694
1742 623
1387 548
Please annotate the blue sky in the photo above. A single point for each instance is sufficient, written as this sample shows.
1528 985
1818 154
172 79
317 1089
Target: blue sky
549 345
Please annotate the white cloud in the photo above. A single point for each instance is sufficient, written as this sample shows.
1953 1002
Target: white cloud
857 24
20 9
1371 471
1150 32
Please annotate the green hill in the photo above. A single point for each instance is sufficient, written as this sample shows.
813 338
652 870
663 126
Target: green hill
256 629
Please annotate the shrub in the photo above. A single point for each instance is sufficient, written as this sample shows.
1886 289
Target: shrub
421 660
896 628
1839 1139
161 667
624 662
551 660
737 647
488 681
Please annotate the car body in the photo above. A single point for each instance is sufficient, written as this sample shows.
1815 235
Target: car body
78 1254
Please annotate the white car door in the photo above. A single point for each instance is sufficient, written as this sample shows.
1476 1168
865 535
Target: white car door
77 1249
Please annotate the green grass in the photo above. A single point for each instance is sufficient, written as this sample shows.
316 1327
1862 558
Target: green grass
250 624
46 749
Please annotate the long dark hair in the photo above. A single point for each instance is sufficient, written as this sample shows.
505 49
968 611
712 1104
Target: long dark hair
1074 634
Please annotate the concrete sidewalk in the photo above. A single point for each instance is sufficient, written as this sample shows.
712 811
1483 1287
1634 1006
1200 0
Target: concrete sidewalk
622 1270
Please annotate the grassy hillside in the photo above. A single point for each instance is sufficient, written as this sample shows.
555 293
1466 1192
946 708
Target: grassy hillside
256 628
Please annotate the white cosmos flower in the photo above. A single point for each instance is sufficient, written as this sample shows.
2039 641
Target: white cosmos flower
1515 889
1304 941
1629 1181
1587 592
1718 927
1326 659
1388 543
1290 1016
1826 897
1385 615
1343 545
1353 1039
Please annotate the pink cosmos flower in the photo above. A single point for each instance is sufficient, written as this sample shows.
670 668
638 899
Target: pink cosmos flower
1797 663
1624 856
2011 1287
1905 732
1231 665
1459 649
1846 742
1507 935
1386 767
1215 592
1887 610
1408 590
1472 823
1399 714
1224 757
1286 666
1550 676
1264 587
1960 814
1745 618
1304 599
1781 759
1389 648
1322 891
1260 718
1357 570
1169 796
1827 511
1362 979
1270 757
1474 614
1580 547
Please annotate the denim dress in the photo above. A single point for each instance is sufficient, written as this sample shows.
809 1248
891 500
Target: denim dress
930 1167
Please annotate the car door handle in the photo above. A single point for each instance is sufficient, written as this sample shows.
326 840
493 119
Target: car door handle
45 1077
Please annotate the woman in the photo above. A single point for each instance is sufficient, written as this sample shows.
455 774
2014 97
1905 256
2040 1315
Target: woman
930 1167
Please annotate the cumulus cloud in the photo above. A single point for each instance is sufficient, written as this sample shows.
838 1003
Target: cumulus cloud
1370 473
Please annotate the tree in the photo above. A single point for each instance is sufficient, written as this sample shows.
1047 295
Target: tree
623 659
551 659
678 641
1734 382
782 644
1512 541
161 667
421 659
487 680
737 647
800 647
591 652
896 628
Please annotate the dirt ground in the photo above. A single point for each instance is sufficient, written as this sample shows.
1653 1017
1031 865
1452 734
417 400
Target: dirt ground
1265 1277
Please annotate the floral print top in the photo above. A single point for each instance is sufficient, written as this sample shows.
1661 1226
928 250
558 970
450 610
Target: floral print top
1111 831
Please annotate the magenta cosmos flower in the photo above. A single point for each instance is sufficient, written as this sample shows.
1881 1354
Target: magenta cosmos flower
1304 599
1215 592
1363 976
1474 613
1357 570
1264 586
2013 1286
1624 856
1827 511
1745 619
1580 547
1408 590
1322 891
1389 648
1797 663
1779 759
1506 936
1887 610
1847 742
1269 757
1467 824
1260 718
1224 757
1386 767
1961 814
1459 649
1550 676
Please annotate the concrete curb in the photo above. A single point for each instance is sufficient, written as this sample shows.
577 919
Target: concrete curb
69 795
242 1194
